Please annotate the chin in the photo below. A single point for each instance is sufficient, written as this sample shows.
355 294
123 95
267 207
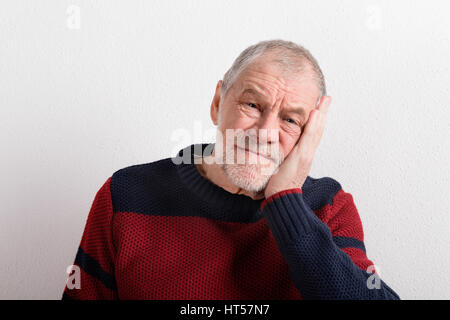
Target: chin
247 176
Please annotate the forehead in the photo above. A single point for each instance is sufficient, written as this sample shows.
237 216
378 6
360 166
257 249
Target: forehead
274 82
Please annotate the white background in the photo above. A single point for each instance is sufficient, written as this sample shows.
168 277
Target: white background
83 95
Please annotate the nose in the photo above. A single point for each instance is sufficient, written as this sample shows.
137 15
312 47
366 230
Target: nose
268 128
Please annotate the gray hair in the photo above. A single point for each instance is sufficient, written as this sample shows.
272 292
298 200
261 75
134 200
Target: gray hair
290 56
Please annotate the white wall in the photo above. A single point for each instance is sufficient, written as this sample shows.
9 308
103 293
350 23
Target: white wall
78 104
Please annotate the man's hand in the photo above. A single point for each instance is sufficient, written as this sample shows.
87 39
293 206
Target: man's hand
293 171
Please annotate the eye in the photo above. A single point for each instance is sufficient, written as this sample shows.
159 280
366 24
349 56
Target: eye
252 105
290 121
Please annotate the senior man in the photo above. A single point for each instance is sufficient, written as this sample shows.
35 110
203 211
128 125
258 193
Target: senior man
239 218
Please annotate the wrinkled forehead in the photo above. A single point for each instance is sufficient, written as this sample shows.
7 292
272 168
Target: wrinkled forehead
269 79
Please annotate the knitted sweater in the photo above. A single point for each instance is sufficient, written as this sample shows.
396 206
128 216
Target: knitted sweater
162 231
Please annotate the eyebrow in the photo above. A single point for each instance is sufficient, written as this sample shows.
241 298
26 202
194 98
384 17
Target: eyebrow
299 110
254 92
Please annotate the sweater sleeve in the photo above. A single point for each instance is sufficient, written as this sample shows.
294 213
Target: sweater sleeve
94 260
326 260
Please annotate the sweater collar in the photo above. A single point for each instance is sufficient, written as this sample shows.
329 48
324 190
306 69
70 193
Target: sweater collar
246 208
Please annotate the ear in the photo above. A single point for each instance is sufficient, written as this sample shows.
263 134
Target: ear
215 103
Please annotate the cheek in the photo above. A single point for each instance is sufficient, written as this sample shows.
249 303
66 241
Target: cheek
287 143
291 129
236 120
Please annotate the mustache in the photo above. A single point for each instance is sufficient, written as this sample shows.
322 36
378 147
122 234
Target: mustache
270 151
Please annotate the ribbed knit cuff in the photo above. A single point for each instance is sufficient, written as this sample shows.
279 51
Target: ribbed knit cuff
288 216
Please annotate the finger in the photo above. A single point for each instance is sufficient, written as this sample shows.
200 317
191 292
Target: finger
317 115
305 144
323 107
315 122
324 104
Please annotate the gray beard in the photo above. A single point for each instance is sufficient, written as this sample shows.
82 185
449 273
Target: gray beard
255 184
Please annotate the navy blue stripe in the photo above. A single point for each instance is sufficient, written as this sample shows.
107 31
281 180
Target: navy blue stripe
93 268
347 242
320 192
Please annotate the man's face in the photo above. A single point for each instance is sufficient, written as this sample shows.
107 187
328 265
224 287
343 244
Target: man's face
270 106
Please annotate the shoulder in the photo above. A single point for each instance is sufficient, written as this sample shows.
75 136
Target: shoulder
132 186
129 174
319 192
333 205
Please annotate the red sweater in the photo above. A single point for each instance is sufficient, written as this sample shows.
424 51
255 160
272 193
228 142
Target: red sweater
162 231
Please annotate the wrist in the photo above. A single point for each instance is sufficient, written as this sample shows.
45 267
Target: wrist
289 217
272 195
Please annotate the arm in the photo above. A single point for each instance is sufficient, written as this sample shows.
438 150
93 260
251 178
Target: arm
95 256
323 263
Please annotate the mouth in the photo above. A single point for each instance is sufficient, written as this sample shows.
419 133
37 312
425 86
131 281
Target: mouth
257 153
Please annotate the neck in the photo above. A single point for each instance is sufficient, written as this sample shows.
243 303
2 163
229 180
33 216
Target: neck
209 169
